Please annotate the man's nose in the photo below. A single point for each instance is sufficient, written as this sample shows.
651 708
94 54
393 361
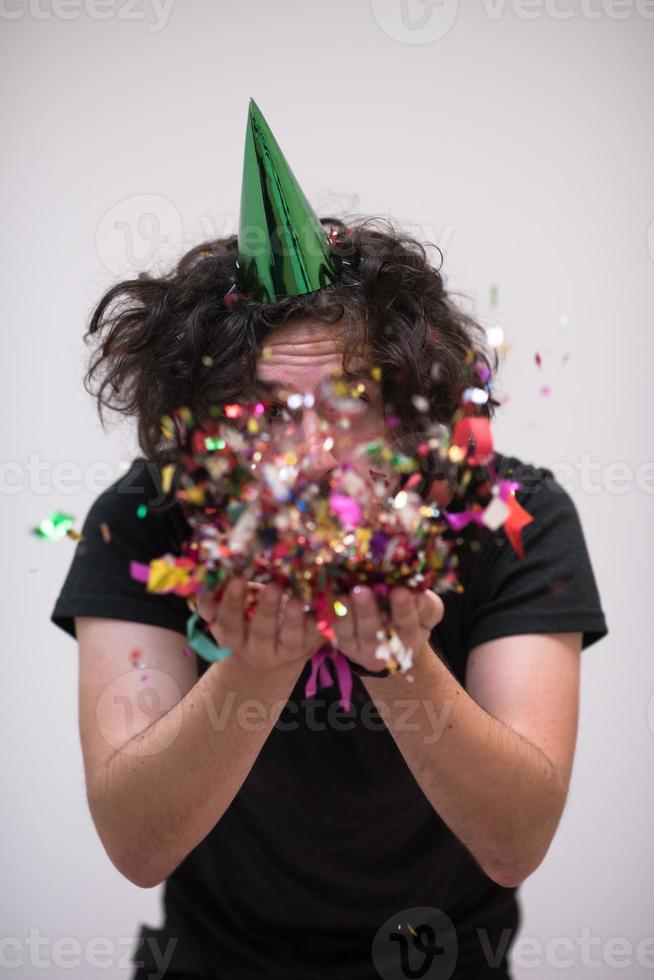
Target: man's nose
317 458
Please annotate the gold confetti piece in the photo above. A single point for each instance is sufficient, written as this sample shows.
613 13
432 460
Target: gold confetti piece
167 427
376 374
75 535
167 473
207 360
164 576
196 495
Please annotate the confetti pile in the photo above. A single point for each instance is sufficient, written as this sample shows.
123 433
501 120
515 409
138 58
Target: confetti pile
254 513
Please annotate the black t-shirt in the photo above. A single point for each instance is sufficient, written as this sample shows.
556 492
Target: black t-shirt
330 836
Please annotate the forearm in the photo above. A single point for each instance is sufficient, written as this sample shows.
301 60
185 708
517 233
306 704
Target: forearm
159 795
497 792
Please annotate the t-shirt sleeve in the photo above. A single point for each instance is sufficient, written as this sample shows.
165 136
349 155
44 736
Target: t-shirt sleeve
98 582
552 589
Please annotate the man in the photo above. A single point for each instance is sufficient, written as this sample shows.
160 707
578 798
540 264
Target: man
296 839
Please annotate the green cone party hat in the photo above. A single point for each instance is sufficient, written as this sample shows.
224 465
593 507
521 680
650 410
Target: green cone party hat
283 249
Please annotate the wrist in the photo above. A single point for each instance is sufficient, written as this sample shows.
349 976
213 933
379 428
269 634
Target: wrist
361 671
274 682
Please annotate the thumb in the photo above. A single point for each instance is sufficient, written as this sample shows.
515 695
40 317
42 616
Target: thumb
431 609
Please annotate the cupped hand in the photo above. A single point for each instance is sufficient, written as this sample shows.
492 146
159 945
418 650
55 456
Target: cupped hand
413 617
279 633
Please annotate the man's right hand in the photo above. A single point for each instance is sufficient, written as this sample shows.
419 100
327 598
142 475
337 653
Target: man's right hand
280 632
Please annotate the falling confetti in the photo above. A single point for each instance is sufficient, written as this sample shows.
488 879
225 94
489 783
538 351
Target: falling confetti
56 526
253 512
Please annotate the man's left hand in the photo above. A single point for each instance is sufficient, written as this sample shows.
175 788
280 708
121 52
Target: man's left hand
413 617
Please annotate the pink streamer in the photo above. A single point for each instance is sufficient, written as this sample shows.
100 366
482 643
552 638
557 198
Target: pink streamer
139 571
320 672
507 487
462 519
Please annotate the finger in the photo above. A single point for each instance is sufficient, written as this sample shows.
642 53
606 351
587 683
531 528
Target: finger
367 624
290 643
404 617
261 639
207 606
346 634
228 622
313 638
431 609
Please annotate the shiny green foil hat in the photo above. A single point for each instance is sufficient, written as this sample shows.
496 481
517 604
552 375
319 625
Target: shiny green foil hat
283 249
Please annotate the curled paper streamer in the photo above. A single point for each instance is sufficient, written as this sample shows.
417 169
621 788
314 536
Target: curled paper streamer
202 644
320 672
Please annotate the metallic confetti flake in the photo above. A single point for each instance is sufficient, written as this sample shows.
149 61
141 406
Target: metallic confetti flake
495 335
420 403
54 527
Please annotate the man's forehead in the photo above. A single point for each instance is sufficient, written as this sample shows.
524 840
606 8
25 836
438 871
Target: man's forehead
303 361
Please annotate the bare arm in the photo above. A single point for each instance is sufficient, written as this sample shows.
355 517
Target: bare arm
494 758
497 768
157 787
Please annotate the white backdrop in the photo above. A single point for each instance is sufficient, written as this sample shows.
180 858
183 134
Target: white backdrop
516 134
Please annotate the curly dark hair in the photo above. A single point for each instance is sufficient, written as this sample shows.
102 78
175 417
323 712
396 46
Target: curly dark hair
171 341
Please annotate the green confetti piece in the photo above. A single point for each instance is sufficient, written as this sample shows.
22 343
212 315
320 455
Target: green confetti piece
54 527
202 644
141 510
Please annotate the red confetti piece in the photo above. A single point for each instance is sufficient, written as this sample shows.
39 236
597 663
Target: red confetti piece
538 359
231 298
517 519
